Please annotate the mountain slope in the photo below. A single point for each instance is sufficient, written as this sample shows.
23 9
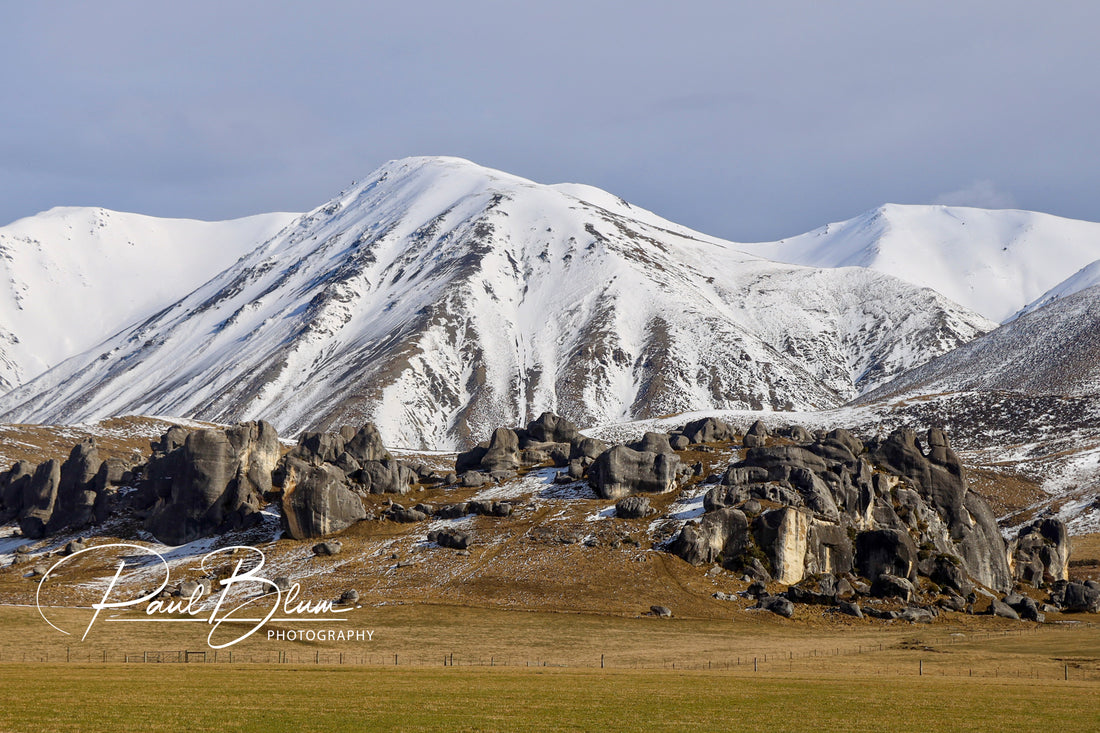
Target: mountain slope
1054 350
994 262
71 277
441 299
1086 277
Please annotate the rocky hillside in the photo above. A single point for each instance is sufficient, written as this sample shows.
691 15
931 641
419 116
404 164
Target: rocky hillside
879 527
1054 350
439 299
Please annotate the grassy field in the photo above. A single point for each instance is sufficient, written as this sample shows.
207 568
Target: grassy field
678 674
305 698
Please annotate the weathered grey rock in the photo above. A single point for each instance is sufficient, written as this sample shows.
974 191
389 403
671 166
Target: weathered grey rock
450 537
796 433
778 605
652 443
215 481
744 475
39 498
587 448
940 480
784 535
316 501
915 615
1079 597
1002 609
366 445
452 511
405 516
388 476
474 479
946 571
77 493
850 609
282 582
892 586
349 597
191 589
470 460
633 507
661 611
620 472
708 430
328 548
75 546
678 442
756 435
1039 554
551 428
13 485
719 534
503 452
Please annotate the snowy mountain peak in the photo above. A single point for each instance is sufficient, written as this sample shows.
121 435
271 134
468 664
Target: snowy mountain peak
441 299
992 261
72 276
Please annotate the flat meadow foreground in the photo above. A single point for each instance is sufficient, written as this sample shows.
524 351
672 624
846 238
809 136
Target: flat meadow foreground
740 674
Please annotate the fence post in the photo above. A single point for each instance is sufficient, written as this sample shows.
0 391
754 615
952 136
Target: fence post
601 661
920 668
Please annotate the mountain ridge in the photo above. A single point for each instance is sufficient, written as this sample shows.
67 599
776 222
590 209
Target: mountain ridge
439 298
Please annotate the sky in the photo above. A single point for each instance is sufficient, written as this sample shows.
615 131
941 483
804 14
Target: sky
746 120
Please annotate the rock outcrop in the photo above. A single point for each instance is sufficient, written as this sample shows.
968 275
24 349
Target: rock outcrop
213 481
620 471
317 502
56 495
1039 554
837 505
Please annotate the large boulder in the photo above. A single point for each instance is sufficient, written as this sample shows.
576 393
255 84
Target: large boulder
551 428
719 536
708 430
388 476
784 535
213 482
633 507
620 472
13 485
39 497
502 453
1039 554
77 493
316 501
652 443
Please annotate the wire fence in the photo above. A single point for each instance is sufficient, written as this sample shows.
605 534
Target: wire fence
921 658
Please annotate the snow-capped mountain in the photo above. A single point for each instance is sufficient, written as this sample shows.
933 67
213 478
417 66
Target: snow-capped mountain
441 299
1053 350
992 261
71 277
1087 277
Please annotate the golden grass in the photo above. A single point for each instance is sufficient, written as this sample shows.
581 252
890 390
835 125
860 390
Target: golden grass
308 698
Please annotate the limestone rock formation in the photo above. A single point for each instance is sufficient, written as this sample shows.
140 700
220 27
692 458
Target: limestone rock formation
316 501
1039 554
214 481
835 504
620 471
